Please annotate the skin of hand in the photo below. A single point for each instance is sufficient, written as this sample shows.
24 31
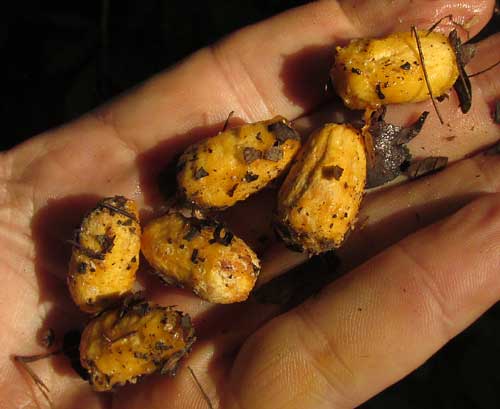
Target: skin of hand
410 287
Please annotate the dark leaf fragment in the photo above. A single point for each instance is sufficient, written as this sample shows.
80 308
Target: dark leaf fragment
120 201
389 145
140 355
332 172
161 346
129 302
116 209
283 132
194 230
356 71
88 252
81 268
250 177
218 238
106 242
462 85
194 256
251 155
200 173
274 154
126 223
463 89
141 308
48 338
231 191
186 323
170 366
379 92
426 166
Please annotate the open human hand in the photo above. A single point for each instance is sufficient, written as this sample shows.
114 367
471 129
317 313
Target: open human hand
404 294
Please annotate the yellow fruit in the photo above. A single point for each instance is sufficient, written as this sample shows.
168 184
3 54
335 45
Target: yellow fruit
226 168
320 198
202 256
123 344
105 254
373 72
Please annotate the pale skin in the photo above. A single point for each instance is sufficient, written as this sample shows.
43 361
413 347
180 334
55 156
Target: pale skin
404 296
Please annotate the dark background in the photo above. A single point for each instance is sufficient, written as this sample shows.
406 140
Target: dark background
60 59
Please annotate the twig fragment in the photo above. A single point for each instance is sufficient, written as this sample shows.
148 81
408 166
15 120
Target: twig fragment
229 116
486 69
426 76
118 210
42 387
205 396
88 252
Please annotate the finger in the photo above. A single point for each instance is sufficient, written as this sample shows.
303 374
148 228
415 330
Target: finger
378 323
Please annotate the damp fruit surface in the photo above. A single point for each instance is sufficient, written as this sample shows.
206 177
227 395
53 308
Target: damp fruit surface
219 171
123 344
105 254
201 255
320 198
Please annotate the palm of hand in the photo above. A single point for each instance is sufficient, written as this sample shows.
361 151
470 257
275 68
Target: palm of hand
306 357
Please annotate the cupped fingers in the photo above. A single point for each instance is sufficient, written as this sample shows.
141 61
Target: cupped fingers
379 322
